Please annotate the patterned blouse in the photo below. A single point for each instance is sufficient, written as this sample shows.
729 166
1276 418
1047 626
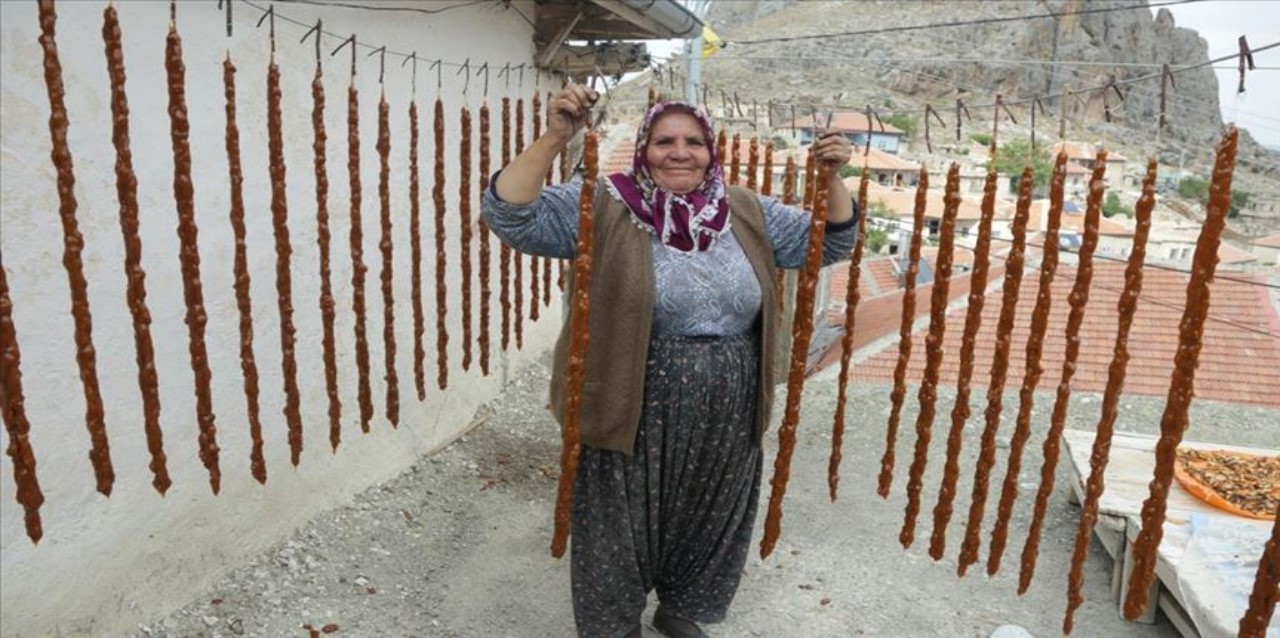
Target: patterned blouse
711 293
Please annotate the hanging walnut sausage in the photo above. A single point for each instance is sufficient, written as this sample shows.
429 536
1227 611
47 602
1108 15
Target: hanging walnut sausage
753 163
517 258
1126 307
928 394
323 238
578 344
905 327
766 183
802 332
415 252
388 300
1000 366
485 257
1266 587
1078 300
735 162
357 255
1182 384
464 207
968 343
1031 375
13 411
73 244
193 292
504 265
136 291
442 291
248 362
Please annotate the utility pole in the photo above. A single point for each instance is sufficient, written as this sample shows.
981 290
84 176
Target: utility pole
693 53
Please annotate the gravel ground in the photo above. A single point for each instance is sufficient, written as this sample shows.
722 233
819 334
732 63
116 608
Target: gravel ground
458 545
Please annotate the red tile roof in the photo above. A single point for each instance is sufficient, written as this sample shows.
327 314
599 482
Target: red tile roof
902 201
1228 254
849 122
1239 362
1085 151
1270 241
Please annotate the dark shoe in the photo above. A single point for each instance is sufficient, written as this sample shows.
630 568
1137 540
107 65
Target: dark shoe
673 626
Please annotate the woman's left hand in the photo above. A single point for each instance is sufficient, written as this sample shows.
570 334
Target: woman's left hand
833 149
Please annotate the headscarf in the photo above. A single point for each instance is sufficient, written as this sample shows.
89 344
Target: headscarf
688 222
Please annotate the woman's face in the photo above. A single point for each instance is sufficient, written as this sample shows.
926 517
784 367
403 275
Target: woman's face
678 153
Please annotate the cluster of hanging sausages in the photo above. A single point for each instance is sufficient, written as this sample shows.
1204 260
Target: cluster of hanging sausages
1126 307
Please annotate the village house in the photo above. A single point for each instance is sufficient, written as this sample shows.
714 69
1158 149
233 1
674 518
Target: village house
856 127
1268 249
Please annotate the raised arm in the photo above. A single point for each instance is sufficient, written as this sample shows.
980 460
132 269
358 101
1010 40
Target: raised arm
521 180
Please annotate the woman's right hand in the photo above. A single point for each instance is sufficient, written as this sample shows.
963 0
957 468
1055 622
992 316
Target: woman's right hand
568 111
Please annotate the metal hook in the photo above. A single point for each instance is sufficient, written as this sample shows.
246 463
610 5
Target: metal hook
1245 56
413 84
271 13
317 31
465 68
505 72
352 41
521 84
484 68
929 110
382 63
439 74
173 12
1166 79
228 12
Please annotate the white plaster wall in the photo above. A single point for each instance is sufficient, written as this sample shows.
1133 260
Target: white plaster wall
107 563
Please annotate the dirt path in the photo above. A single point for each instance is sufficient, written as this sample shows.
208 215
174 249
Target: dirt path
458 545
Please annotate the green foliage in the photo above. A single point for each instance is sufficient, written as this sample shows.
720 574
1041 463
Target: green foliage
848 170
1016 153
1197 189
1194 188
1112 206
908 124
876 239
981 138
880 209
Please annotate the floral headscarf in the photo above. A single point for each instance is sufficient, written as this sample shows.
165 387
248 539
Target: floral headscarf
688 222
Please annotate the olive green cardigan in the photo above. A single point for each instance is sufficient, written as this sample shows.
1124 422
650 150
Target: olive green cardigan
621 320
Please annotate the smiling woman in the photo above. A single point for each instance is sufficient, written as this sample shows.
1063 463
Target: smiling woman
683 313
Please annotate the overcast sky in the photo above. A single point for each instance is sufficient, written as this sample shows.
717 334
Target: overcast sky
1220 23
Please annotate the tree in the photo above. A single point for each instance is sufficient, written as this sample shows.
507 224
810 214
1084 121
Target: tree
1016 154
1194 188
1112 206
876 239
848 171
904 122
981 138
1239 199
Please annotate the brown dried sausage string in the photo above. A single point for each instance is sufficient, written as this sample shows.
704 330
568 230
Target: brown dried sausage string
968 343
788 198
999 368
442 290
486 293
385 244
1266 588
1182 384
766 179
504 264
13 411
722 145
578 345
735 163
517 265
248 361
193 292
534 265
328 307
564 178
802 332
753 163
1078 300
357 255
899 393
127 194
464 208
853 295
928 393
73 244
415 252
1031 375
284 281
1125 308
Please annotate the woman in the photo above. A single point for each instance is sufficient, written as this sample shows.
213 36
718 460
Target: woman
679 370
